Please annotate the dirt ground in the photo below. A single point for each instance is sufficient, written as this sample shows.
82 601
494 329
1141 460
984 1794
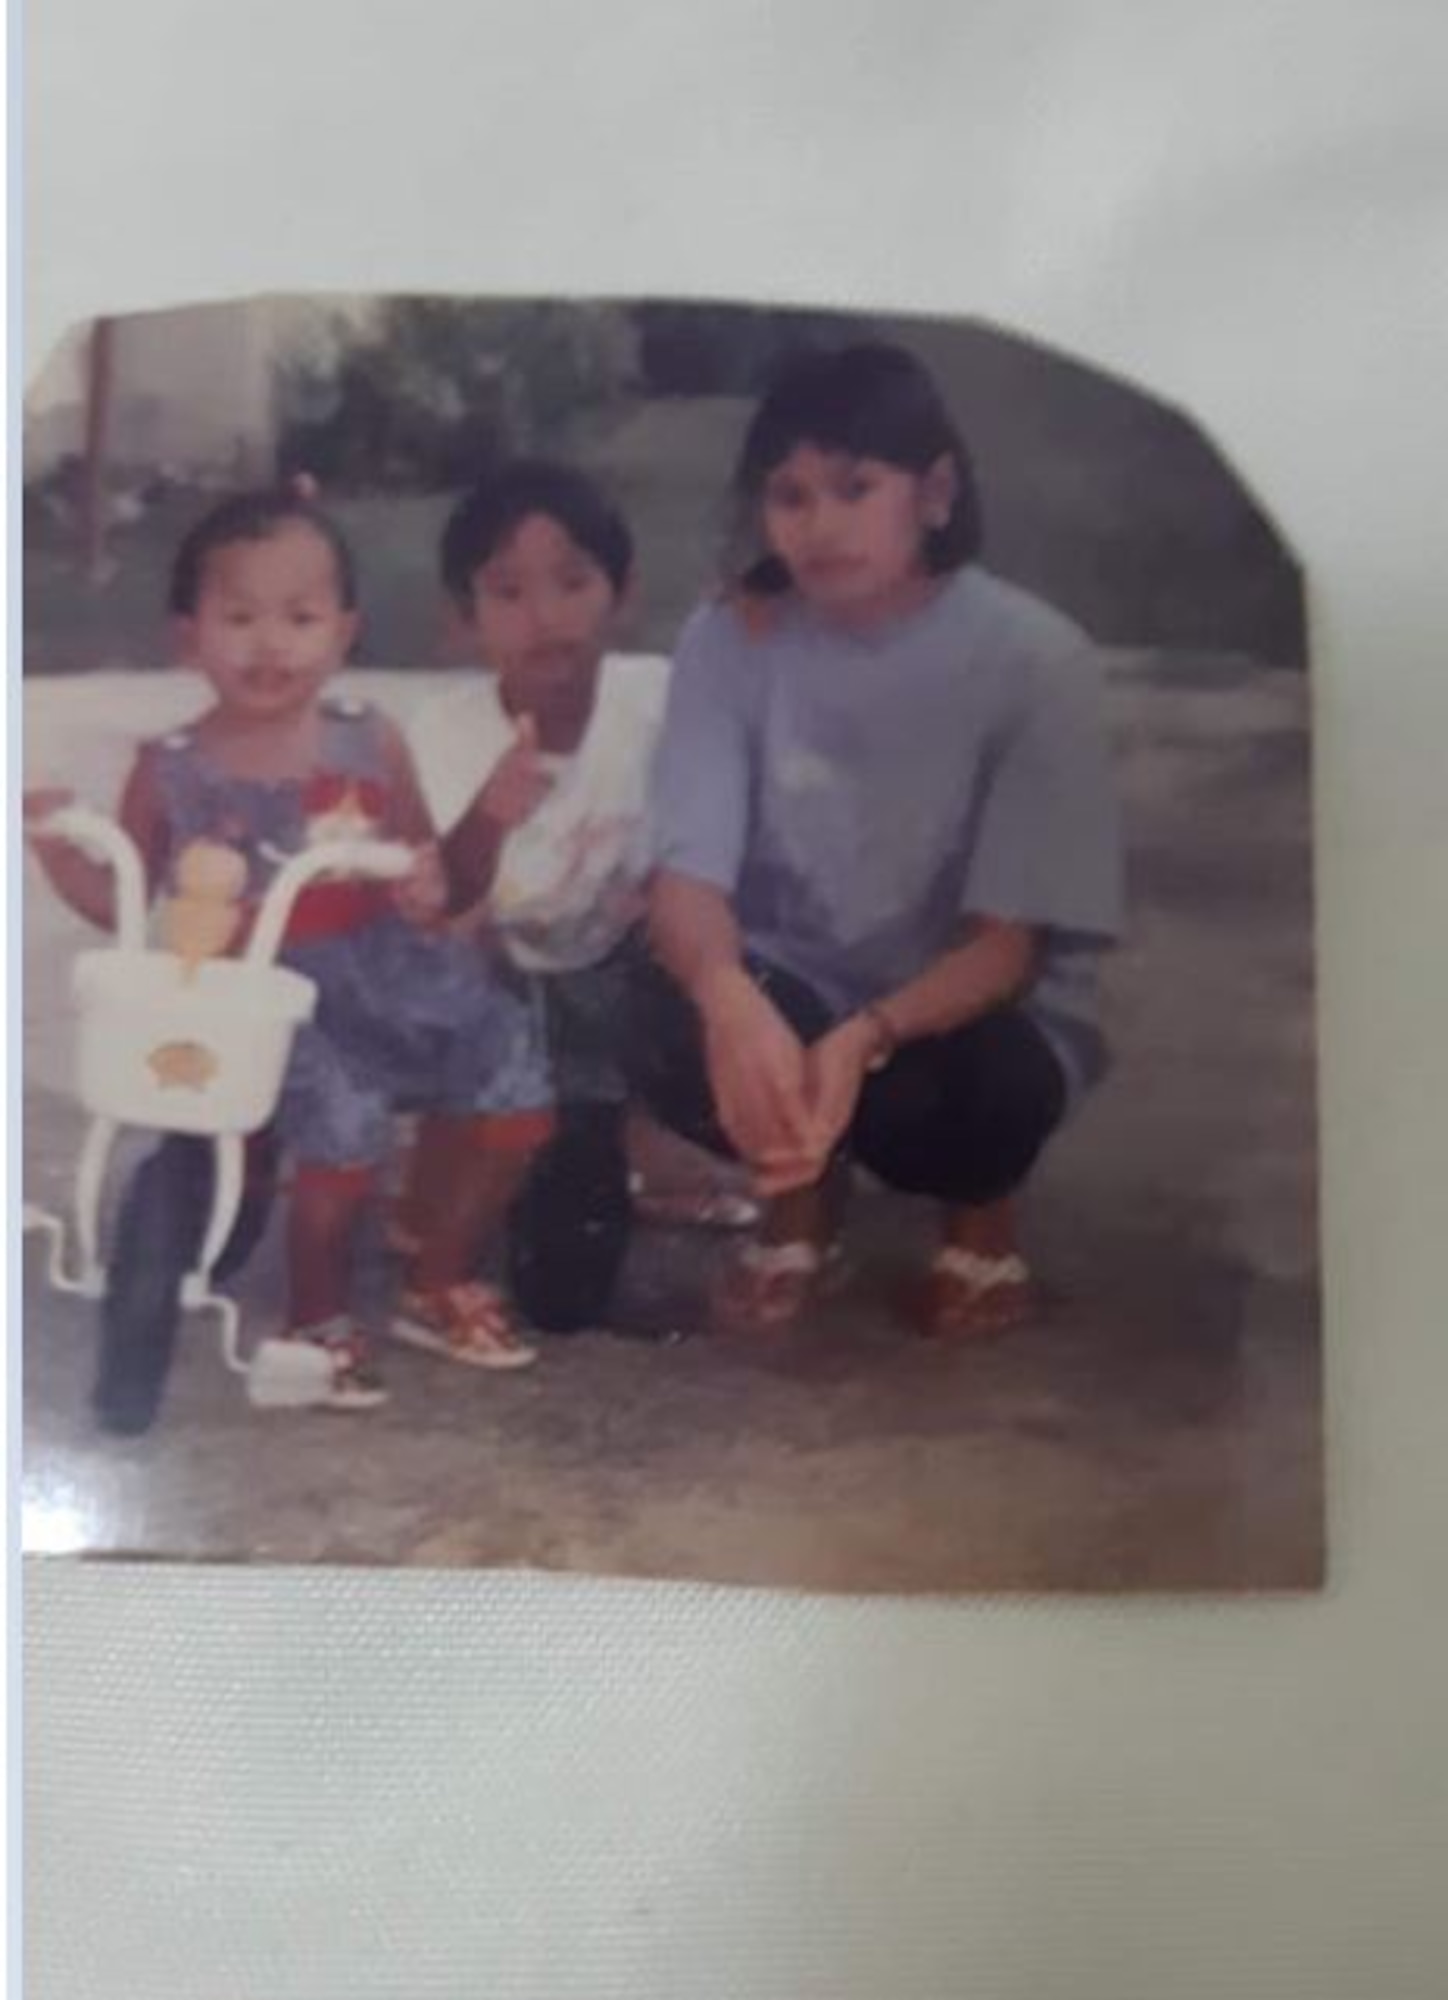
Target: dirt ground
1158 1428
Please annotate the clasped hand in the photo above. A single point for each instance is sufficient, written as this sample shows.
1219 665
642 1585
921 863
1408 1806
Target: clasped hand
783 1106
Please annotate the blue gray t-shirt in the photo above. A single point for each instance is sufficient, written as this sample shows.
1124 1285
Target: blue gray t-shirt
859 796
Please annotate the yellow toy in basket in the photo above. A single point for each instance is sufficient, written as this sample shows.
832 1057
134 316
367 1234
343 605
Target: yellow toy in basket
204 915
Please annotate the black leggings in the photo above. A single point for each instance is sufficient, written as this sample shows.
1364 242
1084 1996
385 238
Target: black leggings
570 1225
569 1229
961 1116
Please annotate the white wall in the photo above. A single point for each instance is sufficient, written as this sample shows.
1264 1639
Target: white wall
192 387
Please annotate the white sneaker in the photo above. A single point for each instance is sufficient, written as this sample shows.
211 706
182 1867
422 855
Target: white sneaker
323 1368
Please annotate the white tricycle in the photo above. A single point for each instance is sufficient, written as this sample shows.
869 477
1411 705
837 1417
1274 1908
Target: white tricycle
194 1051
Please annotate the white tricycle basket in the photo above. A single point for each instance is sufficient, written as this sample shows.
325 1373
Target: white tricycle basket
204 1055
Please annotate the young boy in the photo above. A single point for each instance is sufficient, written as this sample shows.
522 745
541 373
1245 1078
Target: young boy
537 774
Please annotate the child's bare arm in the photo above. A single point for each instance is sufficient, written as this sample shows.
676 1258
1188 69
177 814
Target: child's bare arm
85 884
82 883
511 793
470 857
422 896
408 817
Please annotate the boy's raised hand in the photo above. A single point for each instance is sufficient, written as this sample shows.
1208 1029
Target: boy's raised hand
519 783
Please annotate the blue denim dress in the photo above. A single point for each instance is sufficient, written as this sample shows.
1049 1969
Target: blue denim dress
406 1019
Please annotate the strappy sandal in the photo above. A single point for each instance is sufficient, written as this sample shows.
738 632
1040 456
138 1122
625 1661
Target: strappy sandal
468 1323
768 1285
967 1295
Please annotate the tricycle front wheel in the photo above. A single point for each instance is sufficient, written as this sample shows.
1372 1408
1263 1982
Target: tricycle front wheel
159 1233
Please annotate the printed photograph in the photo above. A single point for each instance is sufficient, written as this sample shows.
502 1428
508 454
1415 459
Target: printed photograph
662 939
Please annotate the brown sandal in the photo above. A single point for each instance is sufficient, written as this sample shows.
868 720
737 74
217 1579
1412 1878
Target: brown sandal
967 1296
767 1286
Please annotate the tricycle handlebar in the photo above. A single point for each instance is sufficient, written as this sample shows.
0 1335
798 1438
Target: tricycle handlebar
380 860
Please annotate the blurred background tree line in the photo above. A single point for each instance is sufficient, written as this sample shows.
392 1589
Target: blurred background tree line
1104 498
436 389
